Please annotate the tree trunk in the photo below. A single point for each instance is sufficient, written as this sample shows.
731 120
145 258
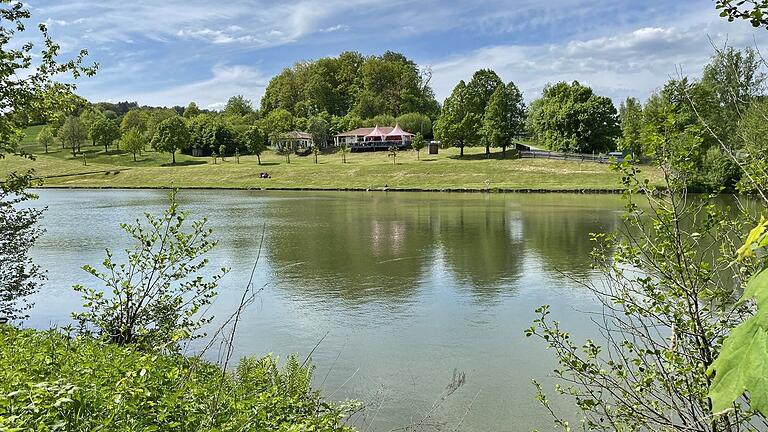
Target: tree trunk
418 155
134 156
315 158
105 148
462 150
173 155
258 158
487 151
74 153
503 152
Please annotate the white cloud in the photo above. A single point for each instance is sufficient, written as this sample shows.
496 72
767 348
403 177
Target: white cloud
212 92
633 63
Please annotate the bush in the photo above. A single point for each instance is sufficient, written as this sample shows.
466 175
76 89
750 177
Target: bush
49 381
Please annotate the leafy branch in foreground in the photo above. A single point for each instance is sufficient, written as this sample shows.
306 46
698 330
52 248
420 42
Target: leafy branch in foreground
155 297
666 302
755 11
19 229
742 366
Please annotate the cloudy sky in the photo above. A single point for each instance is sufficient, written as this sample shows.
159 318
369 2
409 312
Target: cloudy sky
176 51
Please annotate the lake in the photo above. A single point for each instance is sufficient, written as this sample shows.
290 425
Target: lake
399 289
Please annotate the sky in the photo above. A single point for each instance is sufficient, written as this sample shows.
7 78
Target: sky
175 51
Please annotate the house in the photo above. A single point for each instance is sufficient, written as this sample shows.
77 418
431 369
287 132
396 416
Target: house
294 140
375 138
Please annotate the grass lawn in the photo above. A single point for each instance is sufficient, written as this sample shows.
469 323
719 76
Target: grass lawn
446 170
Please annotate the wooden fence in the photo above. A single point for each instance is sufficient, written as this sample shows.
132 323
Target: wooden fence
538 154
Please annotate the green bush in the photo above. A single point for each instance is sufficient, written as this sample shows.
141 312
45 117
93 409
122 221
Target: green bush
49 381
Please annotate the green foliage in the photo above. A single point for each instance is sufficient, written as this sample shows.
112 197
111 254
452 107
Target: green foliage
480 89
755 11
572 118
49 381
27 76
415 123
666 293
504 117
19 229
45 138
153 298
742 366
73 134
319 128
191 111
276 124
134 142
631 123
457 126
238 106
134 119
172 135
753 131
418 144
368 86
104 132
255 141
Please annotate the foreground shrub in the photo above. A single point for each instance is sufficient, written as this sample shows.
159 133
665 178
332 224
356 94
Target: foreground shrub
49 381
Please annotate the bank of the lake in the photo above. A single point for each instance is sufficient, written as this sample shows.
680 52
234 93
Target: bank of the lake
446 171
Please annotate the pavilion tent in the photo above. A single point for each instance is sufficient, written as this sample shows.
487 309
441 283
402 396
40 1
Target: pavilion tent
398 133
376 134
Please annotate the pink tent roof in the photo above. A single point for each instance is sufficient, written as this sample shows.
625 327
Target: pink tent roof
399 132
376 132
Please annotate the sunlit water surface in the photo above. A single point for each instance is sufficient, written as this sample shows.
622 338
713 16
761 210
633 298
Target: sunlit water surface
401 288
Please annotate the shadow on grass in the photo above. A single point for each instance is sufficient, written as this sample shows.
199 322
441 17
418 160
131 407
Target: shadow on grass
483 156
183 163
114 152
269 163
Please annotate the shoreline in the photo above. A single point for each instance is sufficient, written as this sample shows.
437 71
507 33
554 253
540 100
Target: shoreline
586 191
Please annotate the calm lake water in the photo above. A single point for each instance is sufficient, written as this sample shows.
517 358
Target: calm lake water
405 287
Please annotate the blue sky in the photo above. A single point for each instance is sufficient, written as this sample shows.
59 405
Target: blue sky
175 51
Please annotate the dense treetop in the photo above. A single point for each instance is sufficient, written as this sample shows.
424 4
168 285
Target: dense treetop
352 83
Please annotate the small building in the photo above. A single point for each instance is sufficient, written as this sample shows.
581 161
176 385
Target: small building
375 138
434 146
294 140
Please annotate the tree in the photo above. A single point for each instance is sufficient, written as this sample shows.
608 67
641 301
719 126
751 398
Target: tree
134 142
457 126
319 128
191 111
26 85
315 151
480 89
157 292
45 137
104 132
89 116
661 324
72 133
26 77
19 229
222 151
415 123
631 123
418 144
572 118
134 119
343 148
172 135
755 11
238 106
255 141
504 118
393 153
276 124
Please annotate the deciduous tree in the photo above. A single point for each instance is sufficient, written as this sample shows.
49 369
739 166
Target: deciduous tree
45 137
631 123
134 142
457 126
255 141
504 118
172 135
73 134
104 132
418 144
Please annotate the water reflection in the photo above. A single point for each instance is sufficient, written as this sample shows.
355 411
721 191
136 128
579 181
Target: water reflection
402 288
